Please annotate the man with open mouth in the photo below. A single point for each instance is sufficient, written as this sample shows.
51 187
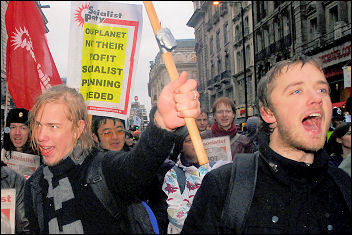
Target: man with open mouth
293 189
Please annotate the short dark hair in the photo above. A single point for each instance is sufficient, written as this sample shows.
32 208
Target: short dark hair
225 100
97 121
333 146
266 84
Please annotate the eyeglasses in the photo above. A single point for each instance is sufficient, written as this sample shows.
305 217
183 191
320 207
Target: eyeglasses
109 133
223 111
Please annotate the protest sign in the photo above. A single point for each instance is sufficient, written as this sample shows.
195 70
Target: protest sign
8 203
218 148
103 52
23 163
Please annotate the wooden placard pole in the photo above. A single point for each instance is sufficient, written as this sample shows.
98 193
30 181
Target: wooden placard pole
173 74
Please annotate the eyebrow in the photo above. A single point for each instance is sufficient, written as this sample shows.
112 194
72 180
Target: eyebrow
110 128
300 83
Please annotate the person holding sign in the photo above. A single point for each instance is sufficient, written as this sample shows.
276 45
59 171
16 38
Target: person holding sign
16 132
224 114
288 186
11 179
58 197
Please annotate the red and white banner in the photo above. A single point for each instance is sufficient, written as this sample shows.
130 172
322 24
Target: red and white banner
30 68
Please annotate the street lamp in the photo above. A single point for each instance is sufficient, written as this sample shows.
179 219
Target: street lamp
216 3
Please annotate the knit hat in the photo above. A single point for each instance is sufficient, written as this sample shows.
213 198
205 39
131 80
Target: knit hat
17 115
252 124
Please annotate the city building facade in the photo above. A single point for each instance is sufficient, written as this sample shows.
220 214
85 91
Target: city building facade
185 59
221 32
272 31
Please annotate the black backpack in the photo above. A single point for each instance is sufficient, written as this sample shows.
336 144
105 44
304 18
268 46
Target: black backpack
139 215
241 191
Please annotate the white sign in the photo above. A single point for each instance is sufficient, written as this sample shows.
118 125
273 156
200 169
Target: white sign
218 148
103 53
23 163
8 206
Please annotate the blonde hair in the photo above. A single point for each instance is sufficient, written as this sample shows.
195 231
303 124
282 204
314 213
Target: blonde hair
76 111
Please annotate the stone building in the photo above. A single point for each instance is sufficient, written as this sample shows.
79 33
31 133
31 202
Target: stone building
316 28
219 48
184 57
273 31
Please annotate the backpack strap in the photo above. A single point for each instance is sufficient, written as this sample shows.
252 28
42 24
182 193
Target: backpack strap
152 217
343 182
241 190
181 176
96 180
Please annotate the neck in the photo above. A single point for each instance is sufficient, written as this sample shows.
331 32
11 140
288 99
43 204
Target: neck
291 152
346 151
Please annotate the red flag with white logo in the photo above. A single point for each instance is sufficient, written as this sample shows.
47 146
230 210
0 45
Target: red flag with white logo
30 68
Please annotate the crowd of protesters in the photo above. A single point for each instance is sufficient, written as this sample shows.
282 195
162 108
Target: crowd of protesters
301 146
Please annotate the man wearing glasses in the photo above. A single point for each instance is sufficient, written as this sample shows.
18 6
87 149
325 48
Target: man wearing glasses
109 133
224 115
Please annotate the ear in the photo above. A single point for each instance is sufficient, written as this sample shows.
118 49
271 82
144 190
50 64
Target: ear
339 140
95 138
267 115
78 131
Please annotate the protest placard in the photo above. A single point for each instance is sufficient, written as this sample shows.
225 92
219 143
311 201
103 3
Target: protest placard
218 148
8 203
103 53
23 163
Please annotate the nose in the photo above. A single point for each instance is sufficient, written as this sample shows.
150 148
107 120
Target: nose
315 97
17 131
41 134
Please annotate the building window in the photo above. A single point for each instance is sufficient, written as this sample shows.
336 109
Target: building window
286 25
211 45
239 62
246 26
277 31
259 42
227 61
248 56
212 71
266 37
237 33
218 40
226 33
250 96
219 66
333 18
229 93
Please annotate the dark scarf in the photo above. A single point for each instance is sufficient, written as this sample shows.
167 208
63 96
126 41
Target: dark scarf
219 131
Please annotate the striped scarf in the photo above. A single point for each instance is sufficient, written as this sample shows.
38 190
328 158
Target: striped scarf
61 199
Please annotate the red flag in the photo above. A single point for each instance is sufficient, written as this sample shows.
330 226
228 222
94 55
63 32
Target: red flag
30 68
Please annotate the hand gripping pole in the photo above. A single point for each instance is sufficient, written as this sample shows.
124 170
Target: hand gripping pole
167 43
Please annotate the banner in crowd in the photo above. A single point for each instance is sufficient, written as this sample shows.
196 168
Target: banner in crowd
8 205
218 148
30 68
23 163
103 53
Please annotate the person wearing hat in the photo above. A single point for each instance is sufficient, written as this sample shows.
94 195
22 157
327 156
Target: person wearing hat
339 144
179 202
336 119
16 132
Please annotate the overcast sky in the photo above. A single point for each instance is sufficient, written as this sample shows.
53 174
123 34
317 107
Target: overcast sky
172 14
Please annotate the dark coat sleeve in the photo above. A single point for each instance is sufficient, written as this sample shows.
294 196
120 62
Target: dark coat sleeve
128 173
205 214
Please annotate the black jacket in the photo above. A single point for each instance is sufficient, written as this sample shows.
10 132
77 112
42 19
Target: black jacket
11 179
290 197
126 173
